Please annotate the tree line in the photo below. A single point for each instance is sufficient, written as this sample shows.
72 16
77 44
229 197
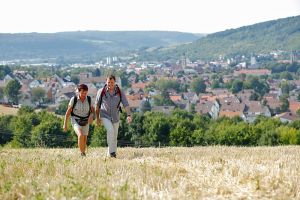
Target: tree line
30 129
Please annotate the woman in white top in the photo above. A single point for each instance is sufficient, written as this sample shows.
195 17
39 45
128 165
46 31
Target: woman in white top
80 110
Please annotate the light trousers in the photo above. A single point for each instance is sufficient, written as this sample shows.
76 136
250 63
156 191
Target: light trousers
111 134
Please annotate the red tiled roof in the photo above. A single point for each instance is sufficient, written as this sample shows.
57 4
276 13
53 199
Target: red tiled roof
294 106
273 103
288 115
230 114
208 97
175 97
254 107
204 107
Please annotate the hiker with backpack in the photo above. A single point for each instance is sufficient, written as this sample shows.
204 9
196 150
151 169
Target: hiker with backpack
107 106
80 110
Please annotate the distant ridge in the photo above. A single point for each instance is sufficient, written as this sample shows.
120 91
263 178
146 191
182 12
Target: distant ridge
281 34
85 44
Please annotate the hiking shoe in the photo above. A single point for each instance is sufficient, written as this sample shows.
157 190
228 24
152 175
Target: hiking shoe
113 155
83 154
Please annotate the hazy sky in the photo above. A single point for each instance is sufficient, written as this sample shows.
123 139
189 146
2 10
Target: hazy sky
197 16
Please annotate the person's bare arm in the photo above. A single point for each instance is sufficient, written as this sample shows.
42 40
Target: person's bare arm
128 111
98 116
91 117
67 116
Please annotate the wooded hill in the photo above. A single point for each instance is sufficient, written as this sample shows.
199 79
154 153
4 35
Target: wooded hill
85 45
281 34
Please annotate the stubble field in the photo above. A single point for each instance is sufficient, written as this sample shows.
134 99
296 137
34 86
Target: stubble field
152 173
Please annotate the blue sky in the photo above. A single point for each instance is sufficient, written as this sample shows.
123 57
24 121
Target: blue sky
196 16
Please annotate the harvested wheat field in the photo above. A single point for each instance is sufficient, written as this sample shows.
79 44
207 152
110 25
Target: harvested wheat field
8 110
152 173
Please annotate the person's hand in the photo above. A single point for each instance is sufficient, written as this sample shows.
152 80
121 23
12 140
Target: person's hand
129 119
99 122
91 118
65 127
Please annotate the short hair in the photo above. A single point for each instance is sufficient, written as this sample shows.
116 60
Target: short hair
82 87
111 77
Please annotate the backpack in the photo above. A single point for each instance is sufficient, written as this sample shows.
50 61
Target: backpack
82 121
118 92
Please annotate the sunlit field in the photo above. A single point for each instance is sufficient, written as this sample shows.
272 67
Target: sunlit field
8 110
151 173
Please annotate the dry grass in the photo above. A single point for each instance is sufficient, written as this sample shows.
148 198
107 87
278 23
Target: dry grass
152 173
8 110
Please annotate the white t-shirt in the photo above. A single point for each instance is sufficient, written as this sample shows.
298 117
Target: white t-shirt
81 109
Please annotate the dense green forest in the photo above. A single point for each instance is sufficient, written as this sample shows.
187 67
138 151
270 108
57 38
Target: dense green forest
281 34
181 128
